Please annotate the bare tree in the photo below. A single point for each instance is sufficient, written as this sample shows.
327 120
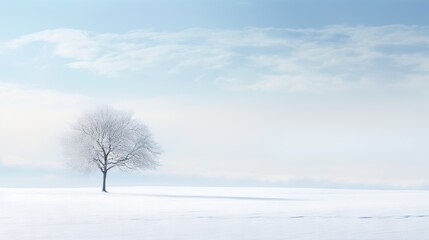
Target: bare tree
108 138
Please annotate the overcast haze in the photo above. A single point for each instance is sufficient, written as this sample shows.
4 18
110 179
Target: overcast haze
284 93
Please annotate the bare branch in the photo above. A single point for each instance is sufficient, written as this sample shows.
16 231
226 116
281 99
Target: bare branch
107 138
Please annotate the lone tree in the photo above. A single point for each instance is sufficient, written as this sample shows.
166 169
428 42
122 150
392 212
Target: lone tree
108 138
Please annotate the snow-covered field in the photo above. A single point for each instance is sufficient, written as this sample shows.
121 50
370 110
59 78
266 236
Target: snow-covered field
213 213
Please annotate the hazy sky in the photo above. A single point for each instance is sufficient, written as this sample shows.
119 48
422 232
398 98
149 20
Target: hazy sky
285 93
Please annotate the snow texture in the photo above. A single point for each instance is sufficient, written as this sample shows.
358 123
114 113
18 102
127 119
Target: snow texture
176 213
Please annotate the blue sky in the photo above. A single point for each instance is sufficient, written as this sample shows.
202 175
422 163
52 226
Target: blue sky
252 93
123 16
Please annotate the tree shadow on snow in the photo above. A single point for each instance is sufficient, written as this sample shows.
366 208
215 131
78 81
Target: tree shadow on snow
213 197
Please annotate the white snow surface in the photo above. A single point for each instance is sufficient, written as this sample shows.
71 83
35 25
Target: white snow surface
213 213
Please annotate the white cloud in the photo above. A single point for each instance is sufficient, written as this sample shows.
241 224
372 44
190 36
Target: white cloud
277 59
69 43
297 83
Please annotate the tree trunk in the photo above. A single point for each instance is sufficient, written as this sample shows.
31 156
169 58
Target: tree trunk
104 181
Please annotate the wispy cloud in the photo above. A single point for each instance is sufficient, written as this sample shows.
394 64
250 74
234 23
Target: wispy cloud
70 43
332 57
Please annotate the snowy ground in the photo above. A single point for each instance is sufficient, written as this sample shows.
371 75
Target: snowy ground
213 213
